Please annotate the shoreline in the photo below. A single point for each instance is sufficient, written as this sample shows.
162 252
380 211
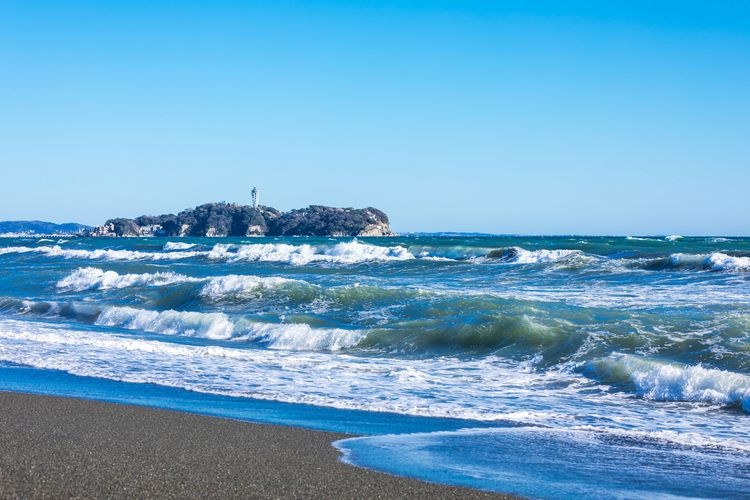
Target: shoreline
65 447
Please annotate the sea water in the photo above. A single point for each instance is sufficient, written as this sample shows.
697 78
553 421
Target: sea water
543 366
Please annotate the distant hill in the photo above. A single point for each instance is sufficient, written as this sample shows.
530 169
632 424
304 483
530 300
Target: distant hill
40 227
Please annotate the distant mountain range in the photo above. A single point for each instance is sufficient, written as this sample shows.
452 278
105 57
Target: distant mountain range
41 227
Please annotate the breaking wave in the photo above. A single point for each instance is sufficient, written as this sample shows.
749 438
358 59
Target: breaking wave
232 286
238 287
177 245
214 325
100 254
352 252
302 337
640 238
91 278
661 381
285 336
520 255
716 261
187 323
355 252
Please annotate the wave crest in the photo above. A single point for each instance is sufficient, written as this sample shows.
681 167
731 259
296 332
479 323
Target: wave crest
672 382
218 326
100 254
520 255
177 245
239 287
302 337
92 278
351 252
192 324
716 261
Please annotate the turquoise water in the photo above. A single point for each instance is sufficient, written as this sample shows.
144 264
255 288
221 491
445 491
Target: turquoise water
528 365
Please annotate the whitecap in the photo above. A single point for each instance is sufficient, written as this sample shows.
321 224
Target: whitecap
302 337
352 252
282 336
177 245
187 323
243 286
718 261
90 278
676 382
102 253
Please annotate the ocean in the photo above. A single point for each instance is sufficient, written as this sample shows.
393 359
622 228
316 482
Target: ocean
549 367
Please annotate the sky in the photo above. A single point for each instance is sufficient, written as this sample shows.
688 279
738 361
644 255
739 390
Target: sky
525 117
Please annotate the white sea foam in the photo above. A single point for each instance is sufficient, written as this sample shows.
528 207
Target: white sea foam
673 237
685 439
673 382
90 278
177 245
352 252
691 440
488 389
454 388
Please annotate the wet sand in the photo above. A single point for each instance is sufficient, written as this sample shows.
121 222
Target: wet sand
52 447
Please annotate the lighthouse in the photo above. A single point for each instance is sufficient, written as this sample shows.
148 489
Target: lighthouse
254 194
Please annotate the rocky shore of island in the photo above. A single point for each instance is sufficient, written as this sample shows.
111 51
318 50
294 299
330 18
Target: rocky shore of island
232 219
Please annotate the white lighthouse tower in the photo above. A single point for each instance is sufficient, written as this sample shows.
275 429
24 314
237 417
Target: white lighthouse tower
254 194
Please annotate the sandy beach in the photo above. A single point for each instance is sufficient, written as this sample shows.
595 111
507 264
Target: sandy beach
56 447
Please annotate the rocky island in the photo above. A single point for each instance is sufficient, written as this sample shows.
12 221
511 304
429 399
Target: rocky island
232 219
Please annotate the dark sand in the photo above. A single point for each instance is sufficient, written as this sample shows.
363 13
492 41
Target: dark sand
53 447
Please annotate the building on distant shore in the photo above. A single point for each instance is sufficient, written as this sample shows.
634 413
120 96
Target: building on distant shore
105 230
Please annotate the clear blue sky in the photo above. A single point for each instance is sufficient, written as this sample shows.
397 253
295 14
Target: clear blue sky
596 117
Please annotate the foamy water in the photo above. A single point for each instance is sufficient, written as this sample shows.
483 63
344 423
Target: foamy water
642 340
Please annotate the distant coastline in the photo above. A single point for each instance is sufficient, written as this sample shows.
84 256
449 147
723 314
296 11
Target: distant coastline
221 220
38 228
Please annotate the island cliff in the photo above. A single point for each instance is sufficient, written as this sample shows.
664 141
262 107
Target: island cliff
230 219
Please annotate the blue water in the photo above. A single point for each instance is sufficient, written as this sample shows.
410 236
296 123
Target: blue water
528 365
